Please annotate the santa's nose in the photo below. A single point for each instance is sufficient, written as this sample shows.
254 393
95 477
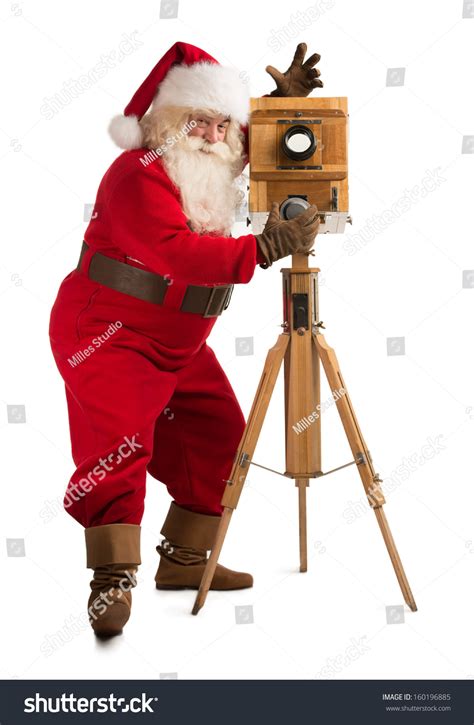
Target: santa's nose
211 135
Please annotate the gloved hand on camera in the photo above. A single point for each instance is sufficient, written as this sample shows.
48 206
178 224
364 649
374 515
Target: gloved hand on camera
281 237
300 78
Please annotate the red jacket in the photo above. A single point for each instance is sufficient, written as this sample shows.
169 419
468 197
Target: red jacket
138 214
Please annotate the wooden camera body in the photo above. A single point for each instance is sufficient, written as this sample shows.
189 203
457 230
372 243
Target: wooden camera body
298 150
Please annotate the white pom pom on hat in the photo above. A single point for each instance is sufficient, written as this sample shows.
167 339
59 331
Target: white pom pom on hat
185 76
126 132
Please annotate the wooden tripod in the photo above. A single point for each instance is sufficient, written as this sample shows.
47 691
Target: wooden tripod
301 346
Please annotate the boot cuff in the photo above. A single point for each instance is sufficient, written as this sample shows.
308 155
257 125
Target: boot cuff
188 528
112 544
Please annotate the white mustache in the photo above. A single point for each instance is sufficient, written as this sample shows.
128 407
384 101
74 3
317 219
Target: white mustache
219 148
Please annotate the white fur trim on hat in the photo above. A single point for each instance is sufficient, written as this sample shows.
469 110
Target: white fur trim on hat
126 132
205 85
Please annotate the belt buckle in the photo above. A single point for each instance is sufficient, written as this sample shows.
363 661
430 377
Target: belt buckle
224 304
228 296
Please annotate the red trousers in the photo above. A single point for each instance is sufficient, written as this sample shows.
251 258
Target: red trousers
134 408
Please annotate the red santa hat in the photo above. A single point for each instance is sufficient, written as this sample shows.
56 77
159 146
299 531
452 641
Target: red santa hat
185 76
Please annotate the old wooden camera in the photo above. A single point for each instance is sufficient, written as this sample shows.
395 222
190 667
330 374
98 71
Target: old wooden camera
298 157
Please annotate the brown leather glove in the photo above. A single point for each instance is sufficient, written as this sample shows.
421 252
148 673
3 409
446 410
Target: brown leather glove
300 78
281 237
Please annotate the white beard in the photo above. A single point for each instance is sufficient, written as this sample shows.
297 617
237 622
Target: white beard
205 175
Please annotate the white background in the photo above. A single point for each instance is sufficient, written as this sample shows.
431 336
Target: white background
405 282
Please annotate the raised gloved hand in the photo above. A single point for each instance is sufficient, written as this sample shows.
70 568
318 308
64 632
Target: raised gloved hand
300 78
281 237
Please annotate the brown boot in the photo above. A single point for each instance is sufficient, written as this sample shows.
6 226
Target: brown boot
113 551
183 553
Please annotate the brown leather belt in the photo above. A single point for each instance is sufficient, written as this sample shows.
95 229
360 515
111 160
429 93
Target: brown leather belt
151 287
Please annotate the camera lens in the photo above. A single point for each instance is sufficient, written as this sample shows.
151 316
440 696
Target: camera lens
293 206
299 143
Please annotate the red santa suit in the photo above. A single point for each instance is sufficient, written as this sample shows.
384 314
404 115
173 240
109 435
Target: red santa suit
145 392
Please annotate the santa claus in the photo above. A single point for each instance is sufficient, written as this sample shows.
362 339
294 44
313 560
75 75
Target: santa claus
157 268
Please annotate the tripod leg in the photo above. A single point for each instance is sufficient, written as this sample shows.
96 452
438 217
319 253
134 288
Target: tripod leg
303 446
395 558
212 561
302 484
242 459
361 454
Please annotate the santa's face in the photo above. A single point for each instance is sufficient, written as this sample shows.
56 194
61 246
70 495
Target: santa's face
203 165
208 128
